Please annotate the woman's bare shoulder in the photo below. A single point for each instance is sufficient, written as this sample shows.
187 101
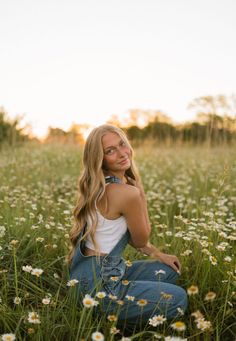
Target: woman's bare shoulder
121 194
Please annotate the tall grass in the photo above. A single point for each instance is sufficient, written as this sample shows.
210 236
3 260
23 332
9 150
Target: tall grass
191 194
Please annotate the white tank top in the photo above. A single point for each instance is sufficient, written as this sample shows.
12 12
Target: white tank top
108 232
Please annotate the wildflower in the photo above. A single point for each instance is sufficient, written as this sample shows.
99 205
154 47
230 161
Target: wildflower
97 336
36 272
142 302
114 330
72 282
120 302
160 272
157 320
33 317
27 268
180 311
2 231
101 294
112 297
30 331
17 300
125 282
39 239
114 278
55 275
128 263
186 253
178 325
166 296
46 300
213 260
14 242
193 290
8 337
174 338
112 318
89 302
210 296
125 339
130 298
227 259
197 314
203 324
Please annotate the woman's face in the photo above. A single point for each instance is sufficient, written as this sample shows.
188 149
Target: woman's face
117 154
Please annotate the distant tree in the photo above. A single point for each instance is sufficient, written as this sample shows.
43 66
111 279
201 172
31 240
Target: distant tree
214 112
10 131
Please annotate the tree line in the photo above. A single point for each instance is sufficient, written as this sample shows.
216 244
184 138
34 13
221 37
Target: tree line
215 124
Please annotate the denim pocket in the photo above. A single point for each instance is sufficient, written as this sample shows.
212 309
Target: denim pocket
112 272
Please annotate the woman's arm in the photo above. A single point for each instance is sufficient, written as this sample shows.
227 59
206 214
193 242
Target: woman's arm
143 198
149 249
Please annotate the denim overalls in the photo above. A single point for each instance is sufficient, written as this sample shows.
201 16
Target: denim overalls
135 291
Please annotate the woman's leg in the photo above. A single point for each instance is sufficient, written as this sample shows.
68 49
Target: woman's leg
150 270
144 299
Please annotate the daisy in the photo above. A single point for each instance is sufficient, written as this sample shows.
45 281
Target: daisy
120 302
14 242
36 272
210 296
30 330
157 320
213 260
142 302
8 337
114 330
197 314
97 336
166 296
193 290
130 298
46 300
128 263
114 278
203 324
125 282
228 259
72 282
89 302
179 325
33 317
180 311
101 294
27 268
17 300
174 338
112 318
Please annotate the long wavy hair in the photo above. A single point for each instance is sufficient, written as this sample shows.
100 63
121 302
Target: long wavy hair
91 184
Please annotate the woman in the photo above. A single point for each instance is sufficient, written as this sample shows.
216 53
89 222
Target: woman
112 211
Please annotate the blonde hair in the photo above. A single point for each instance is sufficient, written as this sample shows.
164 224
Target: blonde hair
91 184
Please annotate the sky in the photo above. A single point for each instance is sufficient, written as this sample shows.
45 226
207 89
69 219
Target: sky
74 61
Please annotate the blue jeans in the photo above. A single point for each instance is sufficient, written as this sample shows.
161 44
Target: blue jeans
126 285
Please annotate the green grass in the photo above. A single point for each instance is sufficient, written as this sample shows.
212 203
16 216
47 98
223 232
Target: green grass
191 196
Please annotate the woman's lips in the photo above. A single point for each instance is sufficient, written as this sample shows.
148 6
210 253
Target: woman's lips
124 161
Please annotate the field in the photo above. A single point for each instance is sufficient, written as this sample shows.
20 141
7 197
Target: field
191 196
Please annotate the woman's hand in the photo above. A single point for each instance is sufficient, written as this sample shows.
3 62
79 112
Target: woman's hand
170 260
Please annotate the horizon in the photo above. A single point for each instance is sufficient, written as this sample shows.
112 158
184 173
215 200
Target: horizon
91 60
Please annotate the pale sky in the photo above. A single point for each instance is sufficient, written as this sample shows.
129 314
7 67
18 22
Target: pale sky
64 61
